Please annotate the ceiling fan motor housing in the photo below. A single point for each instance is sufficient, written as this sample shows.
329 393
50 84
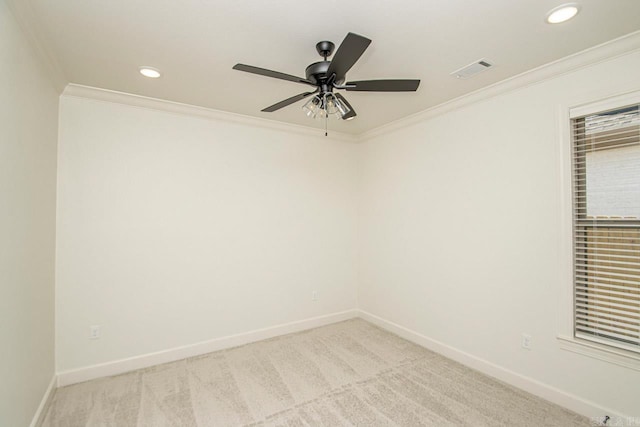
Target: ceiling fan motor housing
317 72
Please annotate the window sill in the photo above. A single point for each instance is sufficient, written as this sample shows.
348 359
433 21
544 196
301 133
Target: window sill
612 355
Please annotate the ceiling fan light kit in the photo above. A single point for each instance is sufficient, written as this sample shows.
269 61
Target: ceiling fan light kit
329 76
326 106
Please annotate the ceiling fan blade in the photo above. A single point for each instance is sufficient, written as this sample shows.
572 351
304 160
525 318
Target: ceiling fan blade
270 73
287 101
351 49
384 85
352 113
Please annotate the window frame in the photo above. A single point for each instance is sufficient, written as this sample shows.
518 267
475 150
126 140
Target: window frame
566 328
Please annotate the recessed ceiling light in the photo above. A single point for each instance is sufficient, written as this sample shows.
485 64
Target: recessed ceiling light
150 72
562 13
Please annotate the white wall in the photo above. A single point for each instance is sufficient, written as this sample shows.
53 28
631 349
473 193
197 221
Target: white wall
28 134
461 231
174 230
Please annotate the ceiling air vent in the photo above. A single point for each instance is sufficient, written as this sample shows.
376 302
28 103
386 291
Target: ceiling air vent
472 69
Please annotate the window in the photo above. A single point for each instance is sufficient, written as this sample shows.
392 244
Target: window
606 227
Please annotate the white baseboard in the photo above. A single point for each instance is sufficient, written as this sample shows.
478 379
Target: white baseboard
143 361
38 417
545 391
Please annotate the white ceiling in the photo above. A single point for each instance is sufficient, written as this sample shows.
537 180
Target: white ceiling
196 42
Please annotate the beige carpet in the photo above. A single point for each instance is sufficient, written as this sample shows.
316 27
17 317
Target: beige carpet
348 373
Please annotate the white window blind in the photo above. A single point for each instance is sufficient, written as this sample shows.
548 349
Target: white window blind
606 227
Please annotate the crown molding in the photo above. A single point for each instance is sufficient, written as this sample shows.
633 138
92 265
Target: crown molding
29 23
106 95
621 46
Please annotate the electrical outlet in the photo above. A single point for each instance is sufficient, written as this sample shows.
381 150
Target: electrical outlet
314 295
94 332
526 341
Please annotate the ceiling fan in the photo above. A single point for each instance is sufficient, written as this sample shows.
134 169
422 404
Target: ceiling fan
327 76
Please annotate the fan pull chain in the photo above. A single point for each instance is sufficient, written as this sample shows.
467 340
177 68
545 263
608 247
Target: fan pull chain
326 121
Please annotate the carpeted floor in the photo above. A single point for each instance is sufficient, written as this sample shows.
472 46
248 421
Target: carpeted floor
348 373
